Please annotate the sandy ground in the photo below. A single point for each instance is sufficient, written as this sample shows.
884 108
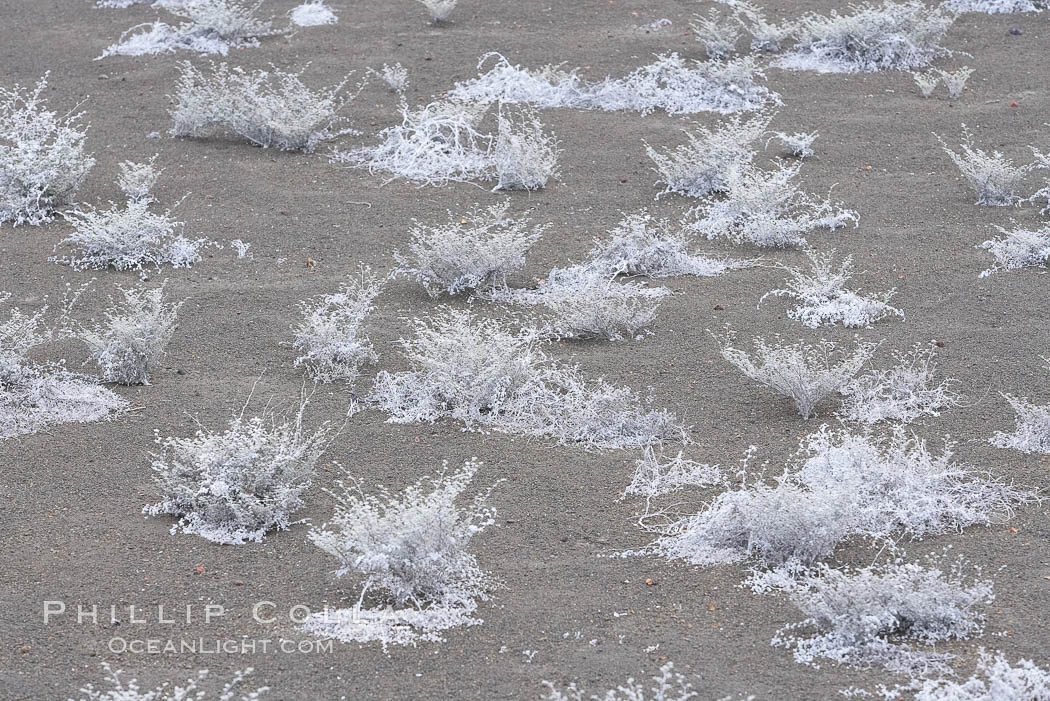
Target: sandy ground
71 526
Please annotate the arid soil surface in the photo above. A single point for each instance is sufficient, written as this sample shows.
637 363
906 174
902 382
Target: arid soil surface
72 528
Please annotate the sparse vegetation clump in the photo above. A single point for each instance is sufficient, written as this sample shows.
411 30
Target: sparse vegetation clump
823 299
136 180
891 36
992 176
524 157
927 81
1020 248
655 476
1032 433
270 109
134 337
475 252
435 144
235 486
33 396
668 685
483 375
994 680
413 550
208 27
313 13
670 83
799 144
643 245
846 485
130 691
42 157
329 336
718 34
439 9
804 373
708 161
766 209
955 82
765 36
995 7
904 393
873 616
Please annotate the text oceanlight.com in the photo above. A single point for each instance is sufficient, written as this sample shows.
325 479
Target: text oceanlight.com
216 646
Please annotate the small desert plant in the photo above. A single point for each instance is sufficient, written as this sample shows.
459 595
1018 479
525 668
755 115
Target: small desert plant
891 36
806 374
1018 249
766 209
823 299
166 692
234 486
313 13
863 617
1042 162
1032 434
992 176
472 252
272 110
995 7
395 77
718 37
209 26
707 162
642 245
136 180
955 82
42 159
592 304
903 393
525 157
799 144
765 36
666 686
433 145
329 336
128 238
134 336
654 476
439 9
927 81
414 548
994 680
480 373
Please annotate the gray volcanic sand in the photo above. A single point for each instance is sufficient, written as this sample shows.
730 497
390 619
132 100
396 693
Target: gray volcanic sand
72 496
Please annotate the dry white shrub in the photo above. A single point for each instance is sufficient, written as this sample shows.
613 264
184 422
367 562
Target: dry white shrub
823 299
134 337
994 680
313 13
166 692
891 36
669 83
903 393
799 144
655 476
42 159
870 616
668 685
473 252
718 35
1042 162
136 180
480 373
1032 434
128 238
270 109
395 76
992 176
765 36
434 144
955 82
766 209
806 374
235 486
643 245
846 485
413 547
439 9
329 336
1018 249
34 397
209 27
995 7
706 164
525 157
927 82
